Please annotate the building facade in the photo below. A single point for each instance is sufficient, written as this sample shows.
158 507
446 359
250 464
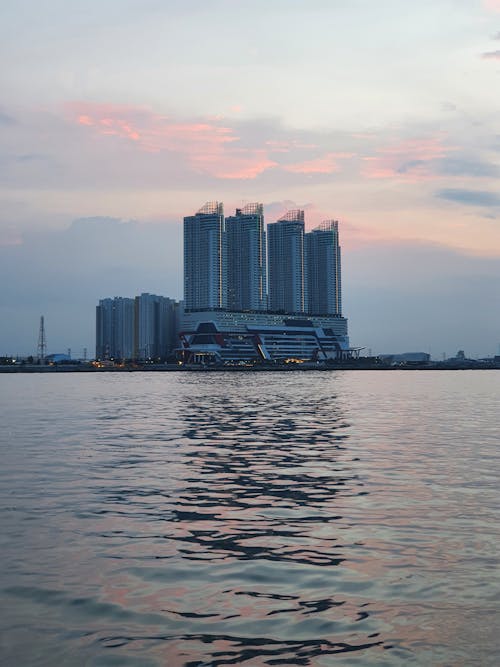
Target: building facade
246 259
205 262
235 337
323 270
155 332
227 316
115 328
287 264
144 327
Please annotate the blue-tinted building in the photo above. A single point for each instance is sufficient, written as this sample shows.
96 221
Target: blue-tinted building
246 259
287 264
324 286
205 258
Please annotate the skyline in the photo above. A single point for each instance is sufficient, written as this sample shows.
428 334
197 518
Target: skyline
109 230
385 118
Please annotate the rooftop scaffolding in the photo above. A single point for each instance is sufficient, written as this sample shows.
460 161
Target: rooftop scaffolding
211 208
327 226
252 209
294 215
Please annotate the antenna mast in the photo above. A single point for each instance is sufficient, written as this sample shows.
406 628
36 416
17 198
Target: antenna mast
42 342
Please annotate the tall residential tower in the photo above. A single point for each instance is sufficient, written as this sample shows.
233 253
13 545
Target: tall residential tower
205 270
323 269
115 328
287 267
246 259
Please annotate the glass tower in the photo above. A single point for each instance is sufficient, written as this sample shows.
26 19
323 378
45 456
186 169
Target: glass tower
323 269
205 271
246 259
287 264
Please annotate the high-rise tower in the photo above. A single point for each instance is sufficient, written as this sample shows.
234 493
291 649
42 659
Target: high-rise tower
205 274
154 326
115 328
246 259
287 269
323 269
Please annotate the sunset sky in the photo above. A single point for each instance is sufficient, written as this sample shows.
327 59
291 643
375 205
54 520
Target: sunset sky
119 117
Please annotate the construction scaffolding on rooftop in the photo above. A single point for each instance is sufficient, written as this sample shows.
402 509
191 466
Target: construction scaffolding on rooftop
211 208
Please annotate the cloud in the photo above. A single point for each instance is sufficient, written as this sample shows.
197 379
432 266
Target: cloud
411 160
327 164
421 282
470 197
121 258
207 146
243 164
492 5
10 237
466 167
5 119
426 285
491 55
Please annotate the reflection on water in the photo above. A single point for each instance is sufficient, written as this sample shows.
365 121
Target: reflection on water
267 519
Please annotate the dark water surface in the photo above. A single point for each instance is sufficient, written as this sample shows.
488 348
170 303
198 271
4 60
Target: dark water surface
259 519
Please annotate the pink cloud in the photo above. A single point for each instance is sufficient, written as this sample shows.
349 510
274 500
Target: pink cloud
208 146
327 164
10 238
492 5
246 164
491 55
278 146
408 160
85 120
285 146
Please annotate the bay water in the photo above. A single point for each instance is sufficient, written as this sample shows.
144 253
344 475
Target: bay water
281 518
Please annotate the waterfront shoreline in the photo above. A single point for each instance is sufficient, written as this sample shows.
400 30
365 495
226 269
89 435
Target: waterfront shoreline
289 368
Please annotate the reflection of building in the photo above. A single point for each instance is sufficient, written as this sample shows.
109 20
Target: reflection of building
246 259
229 336
205 266
142 328
287 284
323 270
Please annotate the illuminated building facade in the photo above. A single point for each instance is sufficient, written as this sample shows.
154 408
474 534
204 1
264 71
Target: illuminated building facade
234 337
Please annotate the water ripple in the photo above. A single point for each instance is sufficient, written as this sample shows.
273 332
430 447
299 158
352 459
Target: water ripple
259 519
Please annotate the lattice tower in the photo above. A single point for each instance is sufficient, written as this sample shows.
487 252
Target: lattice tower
42 342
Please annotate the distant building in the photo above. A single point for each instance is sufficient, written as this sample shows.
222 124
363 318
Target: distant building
205 264
323 270
58 358
246 259
155 326
115 328
406 358
287 270
229 337
145 327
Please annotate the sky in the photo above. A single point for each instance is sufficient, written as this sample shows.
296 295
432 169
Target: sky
119 117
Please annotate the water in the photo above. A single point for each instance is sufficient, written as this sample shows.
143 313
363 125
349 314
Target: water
257 519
